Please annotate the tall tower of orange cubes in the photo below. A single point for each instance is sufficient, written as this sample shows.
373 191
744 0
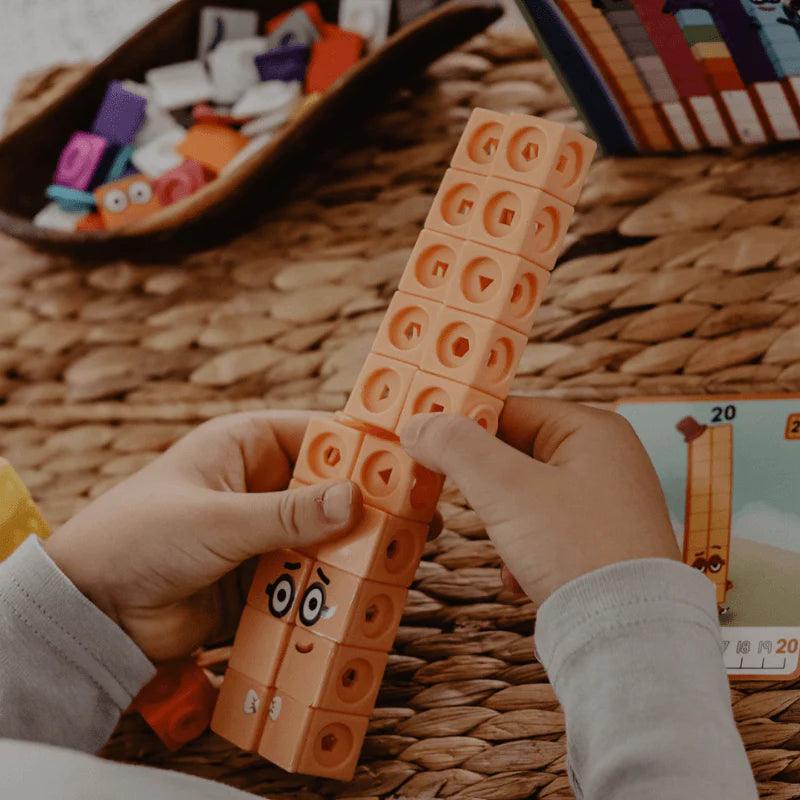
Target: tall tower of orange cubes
709 490
312 645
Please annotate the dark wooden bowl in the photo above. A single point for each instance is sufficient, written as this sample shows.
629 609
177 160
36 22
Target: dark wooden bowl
223 207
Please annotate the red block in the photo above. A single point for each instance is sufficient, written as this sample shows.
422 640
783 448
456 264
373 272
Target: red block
180 182
331 57
178 703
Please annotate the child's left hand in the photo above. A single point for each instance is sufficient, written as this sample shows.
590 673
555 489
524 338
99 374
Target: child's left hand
152 551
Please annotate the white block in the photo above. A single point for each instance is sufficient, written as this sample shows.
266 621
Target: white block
778 110
54 217
179 85
159 156
681 125
224 24
785 127
267 123
233 68
744 116
368 18
711 121
254 146
297 28
263 98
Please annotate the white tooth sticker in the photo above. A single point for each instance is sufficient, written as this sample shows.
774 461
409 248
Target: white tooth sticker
275 707
328 612
251 702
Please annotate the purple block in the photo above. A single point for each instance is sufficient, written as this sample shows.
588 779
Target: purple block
120 115
80 160
285 63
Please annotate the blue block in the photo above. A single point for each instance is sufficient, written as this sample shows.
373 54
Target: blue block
72 200
120 164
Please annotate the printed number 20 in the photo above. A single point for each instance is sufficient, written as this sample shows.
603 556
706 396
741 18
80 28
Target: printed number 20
719 413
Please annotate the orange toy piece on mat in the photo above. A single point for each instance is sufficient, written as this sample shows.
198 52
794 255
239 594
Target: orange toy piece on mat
177 704
211 145
450 342
331 57
125 201
19 517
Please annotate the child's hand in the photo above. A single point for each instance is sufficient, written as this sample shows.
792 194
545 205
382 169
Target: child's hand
150 552
588 498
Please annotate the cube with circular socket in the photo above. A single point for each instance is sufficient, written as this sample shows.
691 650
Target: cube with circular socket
405 333
325 674
328 452
500 286
479 144
430 268
380 391
456 203
300 738
278 583
475 351
432 394
211 145
259 645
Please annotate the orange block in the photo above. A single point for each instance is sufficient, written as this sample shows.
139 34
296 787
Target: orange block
500 286
324 674
391 481
380 392
178 703
211 145
125 201
351 610
311 9
241 710
279 580
381 547
476 351
330 58
430 268
311 741
91 222
328 451
259 646
456 203
479 145
521 220
406 330
431 394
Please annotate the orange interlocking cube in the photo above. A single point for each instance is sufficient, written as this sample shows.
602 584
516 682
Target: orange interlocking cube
241 710
279 579
430 268
381 391
406 330
259 645
125 201
328 452
331 57
456 203
211 145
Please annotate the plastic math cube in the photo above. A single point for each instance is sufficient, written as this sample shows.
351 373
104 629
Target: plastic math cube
330 58
497 285
405 332
325 674
90 222
279 581
120 116
81 162
431 266
294 27
180 85
312 741
259 645
370 19
381 547
241 710
126 201
431 394
475 351
480 142
178 703
54 217
391 481
19 517
179 183
159 154
380 393
456 203
310 10
211 145
328 452
223 24
521 220
266 98
233 68
284 63
352 610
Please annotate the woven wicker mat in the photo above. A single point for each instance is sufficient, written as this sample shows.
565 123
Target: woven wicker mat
682 276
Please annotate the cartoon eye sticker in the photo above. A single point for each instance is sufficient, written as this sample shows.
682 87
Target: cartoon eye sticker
115 201
140 193
312 607
281 592
715 564
699 564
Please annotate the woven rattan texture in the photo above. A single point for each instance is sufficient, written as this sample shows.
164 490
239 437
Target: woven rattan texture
681 276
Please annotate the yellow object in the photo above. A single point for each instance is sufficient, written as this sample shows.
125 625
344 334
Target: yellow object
19 516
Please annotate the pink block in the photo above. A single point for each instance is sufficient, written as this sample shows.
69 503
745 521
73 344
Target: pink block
180 182
80 160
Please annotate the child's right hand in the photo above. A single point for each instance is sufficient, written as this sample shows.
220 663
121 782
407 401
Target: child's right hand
588 498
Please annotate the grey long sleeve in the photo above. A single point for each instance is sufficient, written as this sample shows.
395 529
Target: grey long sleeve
632 650
634 654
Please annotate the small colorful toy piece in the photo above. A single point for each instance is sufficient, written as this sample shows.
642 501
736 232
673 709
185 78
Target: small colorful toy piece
120 116
178 703
19 517
126 201
309 654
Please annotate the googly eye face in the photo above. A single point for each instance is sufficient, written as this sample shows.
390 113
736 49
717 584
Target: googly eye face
115 201
700 564
313 604
715 564
281 595
140 192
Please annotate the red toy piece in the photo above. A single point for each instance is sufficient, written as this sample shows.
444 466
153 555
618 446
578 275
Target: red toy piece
331 57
